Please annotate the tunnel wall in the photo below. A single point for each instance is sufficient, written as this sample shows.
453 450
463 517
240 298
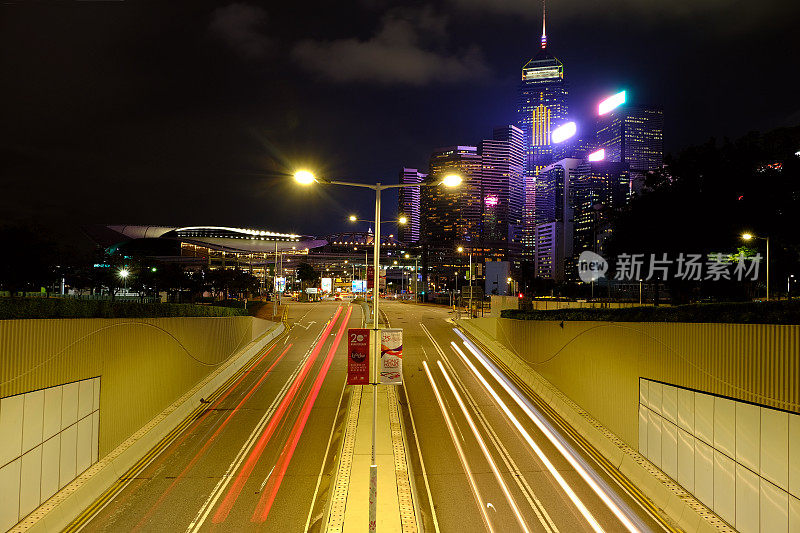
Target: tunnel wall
72 390
716 407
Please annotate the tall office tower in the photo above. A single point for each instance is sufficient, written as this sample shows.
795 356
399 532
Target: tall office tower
542 104
633 135
450 217
554 217
502 191
598 188
528 230
409 205
453 215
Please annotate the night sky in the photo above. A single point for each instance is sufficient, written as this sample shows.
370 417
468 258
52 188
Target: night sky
183 113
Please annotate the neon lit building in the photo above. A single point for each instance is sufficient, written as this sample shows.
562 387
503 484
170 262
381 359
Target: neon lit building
502 190
542 104
633 135
409 205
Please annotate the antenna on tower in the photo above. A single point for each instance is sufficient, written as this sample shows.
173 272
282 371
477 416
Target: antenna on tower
544 17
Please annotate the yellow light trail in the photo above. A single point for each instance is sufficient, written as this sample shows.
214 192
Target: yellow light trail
485 450
460 451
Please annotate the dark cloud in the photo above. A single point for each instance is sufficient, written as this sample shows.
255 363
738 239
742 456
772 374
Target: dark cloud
410 48
239 26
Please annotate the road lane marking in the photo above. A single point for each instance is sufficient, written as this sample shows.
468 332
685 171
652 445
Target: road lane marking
422 463
622 481
226 478
324 458
168 440
243 476
209 441
516 474
475 492
268 498
485 450
559 479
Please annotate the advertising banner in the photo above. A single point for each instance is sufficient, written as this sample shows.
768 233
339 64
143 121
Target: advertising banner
357 356
327 284
359 285
280 284
391 356
370 277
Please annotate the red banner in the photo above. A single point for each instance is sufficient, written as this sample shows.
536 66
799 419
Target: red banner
370 277
358 356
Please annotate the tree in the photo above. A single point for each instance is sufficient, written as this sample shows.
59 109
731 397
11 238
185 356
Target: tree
307 275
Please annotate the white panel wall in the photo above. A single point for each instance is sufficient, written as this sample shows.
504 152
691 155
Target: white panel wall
739 459
49 437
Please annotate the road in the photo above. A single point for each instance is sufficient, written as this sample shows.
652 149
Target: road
260 455
480 470
254 458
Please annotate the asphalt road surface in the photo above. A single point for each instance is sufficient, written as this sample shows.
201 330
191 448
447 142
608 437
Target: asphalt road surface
481 471
258 457
254 458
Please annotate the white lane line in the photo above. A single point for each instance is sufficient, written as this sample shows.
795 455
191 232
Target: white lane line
597 484
324 457
505 455
485 450
422 464
460 451
222 484
538 451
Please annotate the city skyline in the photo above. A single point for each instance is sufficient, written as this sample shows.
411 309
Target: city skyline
125 115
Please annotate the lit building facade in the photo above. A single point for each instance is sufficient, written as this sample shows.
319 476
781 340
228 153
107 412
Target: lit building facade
633 135
502 190
409 205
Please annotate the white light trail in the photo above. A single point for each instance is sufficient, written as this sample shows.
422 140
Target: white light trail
485 450
460 451
538 451
603 492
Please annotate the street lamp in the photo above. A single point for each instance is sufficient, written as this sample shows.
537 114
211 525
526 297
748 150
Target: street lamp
124 273
304 177
749 237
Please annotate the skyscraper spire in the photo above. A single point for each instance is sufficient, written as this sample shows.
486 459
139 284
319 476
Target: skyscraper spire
544 33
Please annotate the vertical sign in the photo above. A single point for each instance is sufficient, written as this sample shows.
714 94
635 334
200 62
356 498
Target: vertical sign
392 356
357 356
370 277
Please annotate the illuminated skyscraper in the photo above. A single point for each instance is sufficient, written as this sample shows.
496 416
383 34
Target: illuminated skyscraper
633 135
502 190
542 104
542 107
409 205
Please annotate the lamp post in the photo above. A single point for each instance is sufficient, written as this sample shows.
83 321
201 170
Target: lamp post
416 294
461 250
399 221
750 236
124 273
304 177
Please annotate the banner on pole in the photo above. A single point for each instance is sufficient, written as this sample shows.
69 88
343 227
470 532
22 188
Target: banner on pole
358 356
370 277
391 356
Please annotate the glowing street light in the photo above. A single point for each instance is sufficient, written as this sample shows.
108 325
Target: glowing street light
353 218
749 237
402 220
124 273
304 177
452 180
